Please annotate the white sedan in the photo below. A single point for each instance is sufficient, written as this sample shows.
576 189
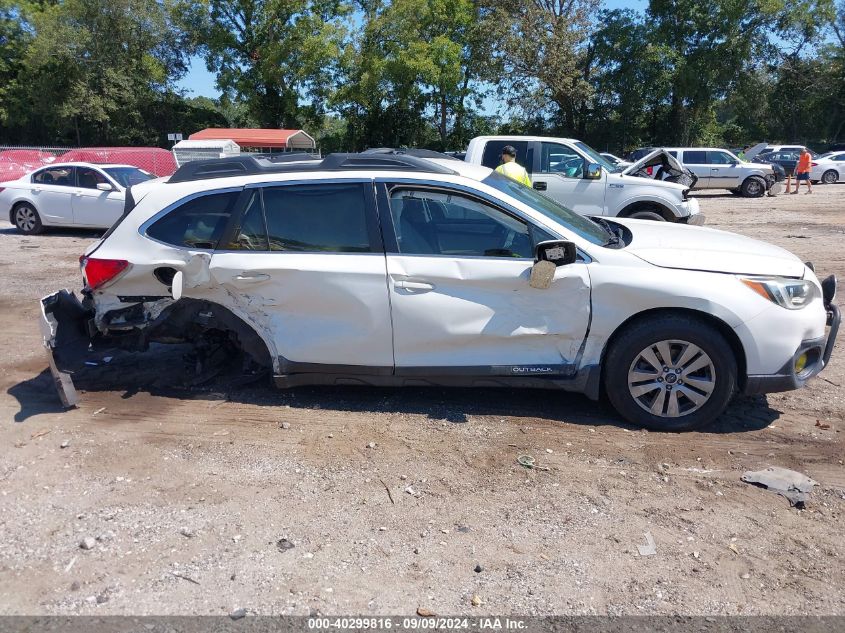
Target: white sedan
69 194
829 168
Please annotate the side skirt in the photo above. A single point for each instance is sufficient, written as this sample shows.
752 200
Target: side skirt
584 381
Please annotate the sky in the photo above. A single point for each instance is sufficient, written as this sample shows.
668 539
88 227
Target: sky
198 82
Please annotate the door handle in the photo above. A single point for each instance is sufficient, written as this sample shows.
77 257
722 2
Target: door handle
714 169
540 186
252 276
419 286
36 189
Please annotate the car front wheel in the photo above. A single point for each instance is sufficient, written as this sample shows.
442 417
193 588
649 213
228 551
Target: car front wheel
26 219
830 176
671 373
753 187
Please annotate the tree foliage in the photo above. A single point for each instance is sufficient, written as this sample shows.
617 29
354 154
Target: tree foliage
431 73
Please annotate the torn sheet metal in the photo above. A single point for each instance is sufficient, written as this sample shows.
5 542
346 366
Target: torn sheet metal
49 331
795 486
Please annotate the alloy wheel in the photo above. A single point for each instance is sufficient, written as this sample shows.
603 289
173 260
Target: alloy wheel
671 378
25 218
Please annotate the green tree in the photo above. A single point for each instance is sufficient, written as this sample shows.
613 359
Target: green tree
278 57
90 68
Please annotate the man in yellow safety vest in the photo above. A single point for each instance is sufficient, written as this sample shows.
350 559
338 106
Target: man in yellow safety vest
511 168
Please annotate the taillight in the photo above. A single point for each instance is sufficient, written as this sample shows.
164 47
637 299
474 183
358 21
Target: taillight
811 165
99 271
2 189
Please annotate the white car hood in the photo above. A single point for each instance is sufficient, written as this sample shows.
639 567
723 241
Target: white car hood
672 245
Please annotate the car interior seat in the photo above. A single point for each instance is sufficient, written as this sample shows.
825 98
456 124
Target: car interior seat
418 234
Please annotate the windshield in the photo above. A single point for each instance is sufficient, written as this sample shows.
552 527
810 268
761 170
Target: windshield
595 157
128 176
578 224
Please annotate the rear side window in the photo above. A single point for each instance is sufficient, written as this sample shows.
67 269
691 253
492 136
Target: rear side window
198 223
316 218
695 157
62 176
492 156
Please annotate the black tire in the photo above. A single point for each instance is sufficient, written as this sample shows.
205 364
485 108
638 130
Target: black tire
26 219
646 214
830 176
625 368
753 187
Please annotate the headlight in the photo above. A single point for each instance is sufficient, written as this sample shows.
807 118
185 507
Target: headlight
792 294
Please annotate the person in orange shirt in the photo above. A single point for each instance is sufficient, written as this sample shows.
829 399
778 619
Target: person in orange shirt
802 171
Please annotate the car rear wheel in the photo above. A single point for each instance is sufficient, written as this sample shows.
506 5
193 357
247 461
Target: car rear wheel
672 373
26 219
753 187
830 176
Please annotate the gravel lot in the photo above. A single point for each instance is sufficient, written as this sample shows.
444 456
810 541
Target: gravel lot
396 500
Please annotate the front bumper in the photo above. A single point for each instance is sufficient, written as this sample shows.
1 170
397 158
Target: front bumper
693 215
818 352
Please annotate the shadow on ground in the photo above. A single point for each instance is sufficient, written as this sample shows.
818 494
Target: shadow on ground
167 371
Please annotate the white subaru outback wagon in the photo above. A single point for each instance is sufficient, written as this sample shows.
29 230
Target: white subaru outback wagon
409 268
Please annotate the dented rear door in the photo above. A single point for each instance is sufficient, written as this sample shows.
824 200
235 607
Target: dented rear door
306 263
458 274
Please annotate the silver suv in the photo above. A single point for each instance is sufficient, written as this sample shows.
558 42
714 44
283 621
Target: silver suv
720 169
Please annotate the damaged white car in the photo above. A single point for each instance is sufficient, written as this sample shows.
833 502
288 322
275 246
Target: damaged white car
409 268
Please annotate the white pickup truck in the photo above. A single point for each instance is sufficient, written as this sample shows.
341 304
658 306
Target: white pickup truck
572 173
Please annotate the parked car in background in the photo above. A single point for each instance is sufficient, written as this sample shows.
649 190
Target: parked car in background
575 175
69 194
787 159
615 160
389 269
778 169
720 169
829 168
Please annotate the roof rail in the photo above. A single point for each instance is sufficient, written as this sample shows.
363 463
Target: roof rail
417 153
251 165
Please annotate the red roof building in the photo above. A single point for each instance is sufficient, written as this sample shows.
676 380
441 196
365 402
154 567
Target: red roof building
258 138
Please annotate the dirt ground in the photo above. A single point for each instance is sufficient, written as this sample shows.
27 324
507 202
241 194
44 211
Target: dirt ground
399 499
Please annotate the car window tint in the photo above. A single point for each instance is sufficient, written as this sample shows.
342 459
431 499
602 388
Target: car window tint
492 156
838 157
720 158
673 153
695 157
561 160
440 223
88 178
324 218
251 235
198 223
62 176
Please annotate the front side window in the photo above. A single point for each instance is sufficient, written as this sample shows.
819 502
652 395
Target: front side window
721 158
197 223
62 176
88 178
128 176
557 213
445 223
561 160
317 218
